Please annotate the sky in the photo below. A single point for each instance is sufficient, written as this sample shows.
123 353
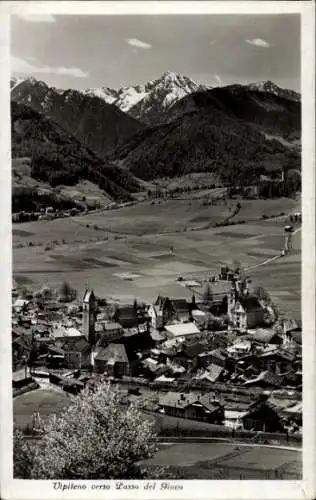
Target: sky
116 51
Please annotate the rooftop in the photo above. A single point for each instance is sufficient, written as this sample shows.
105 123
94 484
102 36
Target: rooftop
177 399
111 326
250 303
180 305
213 372
60 330
88 296
266 377
180 329
220 287
181 400
114 352
76 345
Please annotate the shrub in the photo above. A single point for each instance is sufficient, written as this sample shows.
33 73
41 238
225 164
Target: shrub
97 437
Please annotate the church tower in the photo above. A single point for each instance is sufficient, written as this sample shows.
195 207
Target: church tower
89 311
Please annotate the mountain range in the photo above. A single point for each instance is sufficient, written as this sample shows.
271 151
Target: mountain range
95 123
237 132
173 126
148 103
57 158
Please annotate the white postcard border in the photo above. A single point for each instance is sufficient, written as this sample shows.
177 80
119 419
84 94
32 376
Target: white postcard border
305 489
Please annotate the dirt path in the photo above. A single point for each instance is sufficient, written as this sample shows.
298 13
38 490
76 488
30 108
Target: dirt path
267 261
227 442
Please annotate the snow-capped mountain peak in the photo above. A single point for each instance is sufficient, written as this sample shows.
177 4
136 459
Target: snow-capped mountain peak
107 94
148 101
17 79
272 88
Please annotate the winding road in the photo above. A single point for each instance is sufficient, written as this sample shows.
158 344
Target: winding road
267 261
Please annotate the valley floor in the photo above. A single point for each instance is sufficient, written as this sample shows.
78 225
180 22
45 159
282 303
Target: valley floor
125 253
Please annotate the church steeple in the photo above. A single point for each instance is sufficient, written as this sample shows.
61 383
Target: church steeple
89 310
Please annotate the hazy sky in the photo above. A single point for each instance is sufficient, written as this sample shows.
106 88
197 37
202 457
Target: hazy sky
115 51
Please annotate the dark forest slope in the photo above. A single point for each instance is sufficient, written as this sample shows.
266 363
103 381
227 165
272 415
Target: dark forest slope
58 158
236 132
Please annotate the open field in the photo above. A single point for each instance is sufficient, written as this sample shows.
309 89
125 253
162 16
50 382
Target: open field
124 253
211 460
45 401
229 461
21 178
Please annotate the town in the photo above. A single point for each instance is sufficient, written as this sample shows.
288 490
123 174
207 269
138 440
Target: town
227 357
155 307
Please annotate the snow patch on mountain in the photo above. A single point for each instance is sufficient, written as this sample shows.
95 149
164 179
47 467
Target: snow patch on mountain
138 100
128 97
272 88
15 81
106 94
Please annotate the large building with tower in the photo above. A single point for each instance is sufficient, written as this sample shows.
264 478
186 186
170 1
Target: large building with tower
89 313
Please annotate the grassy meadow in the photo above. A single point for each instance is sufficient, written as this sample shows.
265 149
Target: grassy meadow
219 460
124 253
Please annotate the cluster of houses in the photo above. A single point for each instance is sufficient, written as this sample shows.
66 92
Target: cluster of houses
48 213
51 213
223 337
262 414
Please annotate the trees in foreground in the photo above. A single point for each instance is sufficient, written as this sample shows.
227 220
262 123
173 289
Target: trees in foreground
97 437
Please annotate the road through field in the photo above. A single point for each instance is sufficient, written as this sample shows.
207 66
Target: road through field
267 261
135 260
228 442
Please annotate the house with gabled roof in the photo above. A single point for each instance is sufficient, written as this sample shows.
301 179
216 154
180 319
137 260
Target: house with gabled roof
165 310
77 351
260 416
245 312
277 360
111 359
192 406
